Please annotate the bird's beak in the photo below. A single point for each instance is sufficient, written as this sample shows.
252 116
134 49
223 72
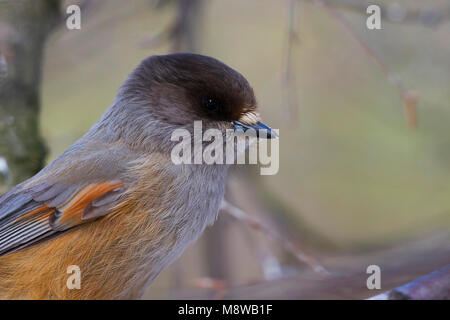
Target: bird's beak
271 134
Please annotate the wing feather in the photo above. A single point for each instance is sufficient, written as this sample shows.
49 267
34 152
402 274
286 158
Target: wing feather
40 212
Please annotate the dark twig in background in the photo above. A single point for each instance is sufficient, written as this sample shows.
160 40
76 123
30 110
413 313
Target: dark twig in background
433 286
181 33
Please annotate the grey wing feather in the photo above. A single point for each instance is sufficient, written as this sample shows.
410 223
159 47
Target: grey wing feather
26 215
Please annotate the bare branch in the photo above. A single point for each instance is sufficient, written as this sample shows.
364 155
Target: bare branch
291 111
180 33
434 286
260 226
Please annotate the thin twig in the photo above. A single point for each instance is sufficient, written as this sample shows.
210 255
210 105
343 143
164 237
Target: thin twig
288 81
409 98
289 246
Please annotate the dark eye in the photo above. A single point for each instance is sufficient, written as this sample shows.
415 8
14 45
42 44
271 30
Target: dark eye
210 104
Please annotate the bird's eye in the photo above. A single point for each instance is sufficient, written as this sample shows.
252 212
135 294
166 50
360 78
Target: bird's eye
210 104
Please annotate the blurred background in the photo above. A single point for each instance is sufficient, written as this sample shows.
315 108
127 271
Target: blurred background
363 116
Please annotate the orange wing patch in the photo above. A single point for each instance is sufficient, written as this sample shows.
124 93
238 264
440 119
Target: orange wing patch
71 213
36 211
38 220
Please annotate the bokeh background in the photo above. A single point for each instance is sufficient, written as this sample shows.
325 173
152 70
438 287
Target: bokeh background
364 123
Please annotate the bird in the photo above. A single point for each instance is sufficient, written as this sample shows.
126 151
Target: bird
114 204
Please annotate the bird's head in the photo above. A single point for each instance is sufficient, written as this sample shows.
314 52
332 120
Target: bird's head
172 91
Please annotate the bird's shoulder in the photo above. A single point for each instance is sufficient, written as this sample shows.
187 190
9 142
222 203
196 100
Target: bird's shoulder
77 187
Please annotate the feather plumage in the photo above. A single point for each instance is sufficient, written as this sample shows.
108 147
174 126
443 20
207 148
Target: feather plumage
51 209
